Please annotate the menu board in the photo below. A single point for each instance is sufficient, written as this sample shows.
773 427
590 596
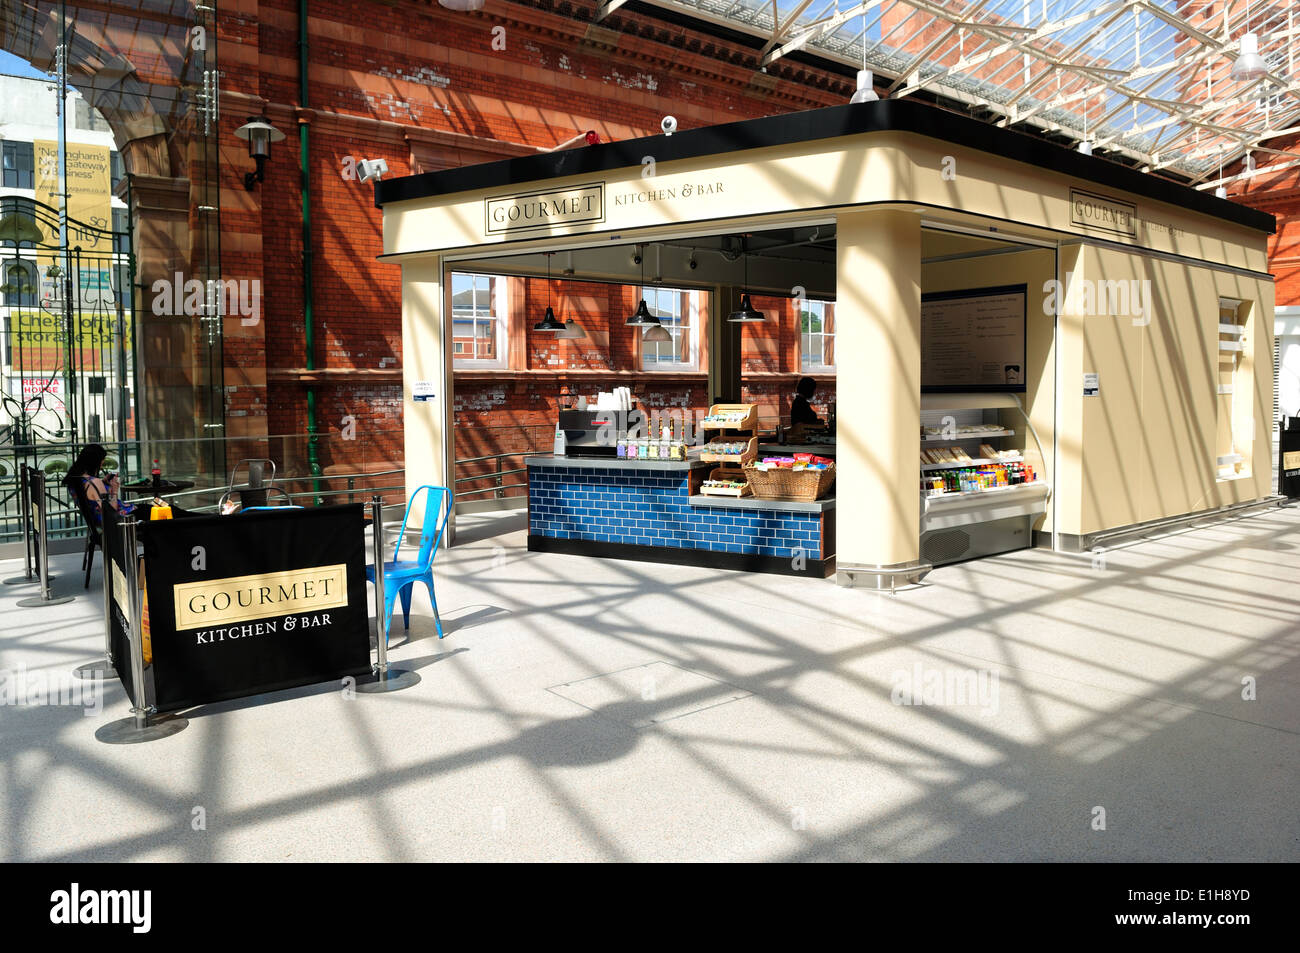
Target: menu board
973 340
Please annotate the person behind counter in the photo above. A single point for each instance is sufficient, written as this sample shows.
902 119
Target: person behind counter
83 476
801 412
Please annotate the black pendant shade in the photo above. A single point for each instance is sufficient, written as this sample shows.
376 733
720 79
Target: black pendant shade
549 323
643 318
746 312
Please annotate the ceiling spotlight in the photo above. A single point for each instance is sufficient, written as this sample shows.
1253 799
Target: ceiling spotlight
1221 192
1250 65
462 5
1085 147
1250 162
865 92
371 169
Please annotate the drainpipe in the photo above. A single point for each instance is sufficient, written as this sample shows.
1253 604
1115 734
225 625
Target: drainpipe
309 330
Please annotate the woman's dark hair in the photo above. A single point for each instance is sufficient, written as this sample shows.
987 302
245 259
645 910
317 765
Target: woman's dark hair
806 387
88 461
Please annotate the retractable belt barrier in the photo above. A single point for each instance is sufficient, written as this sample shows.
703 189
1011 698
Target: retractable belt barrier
35 485
24 517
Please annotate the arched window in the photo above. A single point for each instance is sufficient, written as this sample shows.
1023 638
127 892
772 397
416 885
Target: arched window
20 285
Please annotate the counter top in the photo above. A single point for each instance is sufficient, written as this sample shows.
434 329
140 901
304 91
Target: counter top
790 449
754 503
613 463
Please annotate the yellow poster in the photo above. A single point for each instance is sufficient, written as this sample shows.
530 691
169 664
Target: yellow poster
89 195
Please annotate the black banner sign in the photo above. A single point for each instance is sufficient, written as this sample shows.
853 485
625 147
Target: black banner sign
257 602
119 607
1288 463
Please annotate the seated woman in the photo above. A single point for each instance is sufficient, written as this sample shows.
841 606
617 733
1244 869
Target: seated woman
84 475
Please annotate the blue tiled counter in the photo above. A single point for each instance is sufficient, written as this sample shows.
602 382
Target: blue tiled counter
647 510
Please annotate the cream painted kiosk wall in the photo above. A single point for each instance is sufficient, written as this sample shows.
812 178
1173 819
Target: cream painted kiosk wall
1154 298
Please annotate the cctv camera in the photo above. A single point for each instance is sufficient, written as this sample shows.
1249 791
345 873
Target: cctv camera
693 263
636 259
668 125
368 169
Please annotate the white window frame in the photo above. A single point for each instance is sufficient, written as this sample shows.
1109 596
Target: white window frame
693 316
820 366
500 314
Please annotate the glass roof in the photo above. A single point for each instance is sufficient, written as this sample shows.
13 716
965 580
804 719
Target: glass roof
1145 80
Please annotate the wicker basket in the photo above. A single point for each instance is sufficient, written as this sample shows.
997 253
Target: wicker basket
780 483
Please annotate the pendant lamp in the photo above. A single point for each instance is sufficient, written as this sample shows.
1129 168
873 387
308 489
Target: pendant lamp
549 322
746 313
1249 65
642 318
657 334
865 93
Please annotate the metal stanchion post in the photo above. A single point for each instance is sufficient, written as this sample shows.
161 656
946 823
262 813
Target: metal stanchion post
24 517
42 548
141 726
103 666
384 678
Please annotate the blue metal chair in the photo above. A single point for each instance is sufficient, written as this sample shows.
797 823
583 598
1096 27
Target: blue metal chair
401 575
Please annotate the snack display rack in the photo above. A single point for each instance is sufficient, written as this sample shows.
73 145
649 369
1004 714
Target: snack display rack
731 475
741 423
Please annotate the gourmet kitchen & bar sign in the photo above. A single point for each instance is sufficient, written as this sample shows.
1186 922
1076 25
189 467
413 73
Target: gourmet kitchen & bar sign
575 205
256 602
1097 211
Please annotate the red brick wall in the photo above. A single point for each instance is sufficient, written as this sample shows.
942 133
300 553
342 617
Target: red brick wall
422 87
1277 193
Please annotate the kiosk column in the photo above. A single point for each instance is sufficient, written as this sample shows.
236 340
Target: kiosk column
878 336
426 380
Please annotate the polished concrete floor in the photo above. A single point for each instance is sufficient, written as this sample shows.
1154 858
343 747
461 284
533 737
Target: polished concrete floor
1144 705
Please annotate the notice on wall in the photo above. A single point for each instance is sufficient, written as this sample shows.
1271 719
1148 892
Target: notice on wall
1091 385
422 391
973 340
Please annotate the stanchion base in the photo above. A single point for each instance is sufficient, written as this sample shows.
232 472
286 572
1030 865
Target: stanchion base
125 732
35 602
394 680
20 581
94 669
